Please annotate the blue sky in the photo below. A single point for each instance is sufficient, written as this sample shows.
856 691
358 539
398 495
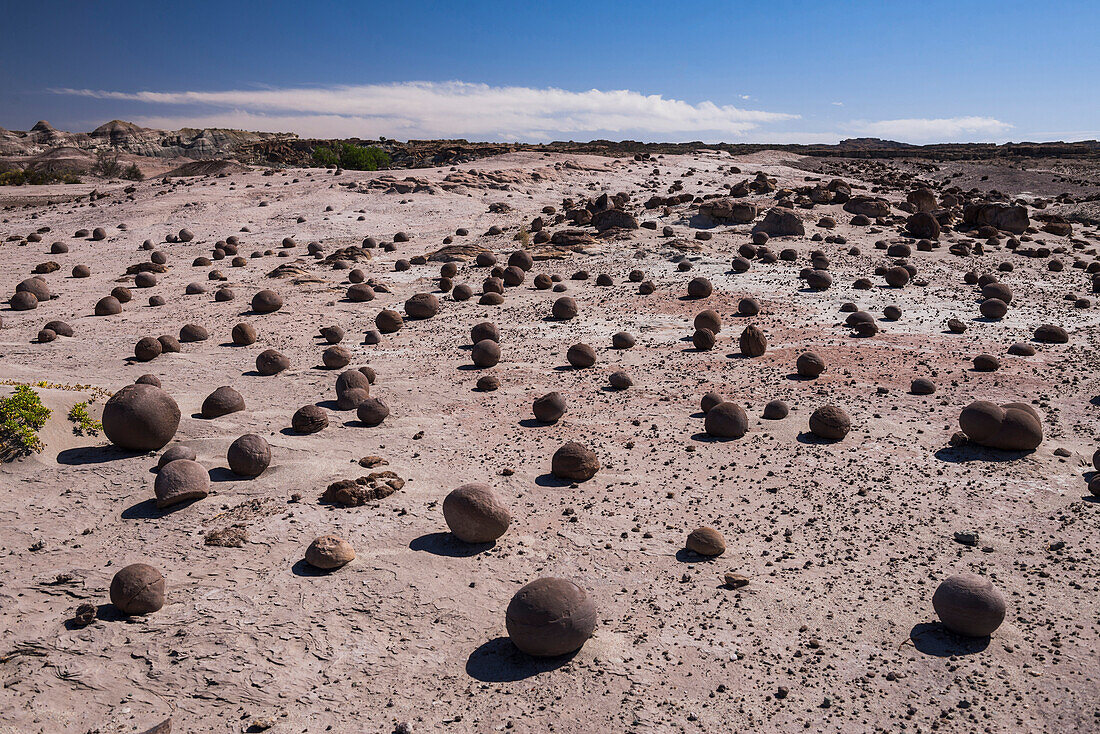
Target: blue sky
756 72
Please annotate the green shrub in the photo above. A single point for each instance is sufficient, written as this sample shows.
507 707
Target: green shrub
22 415
106 164
324 156
133 173
85 425
358 158
19 177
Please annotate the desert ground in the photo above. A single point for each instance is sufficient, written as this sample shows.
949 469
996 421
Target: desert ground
842 542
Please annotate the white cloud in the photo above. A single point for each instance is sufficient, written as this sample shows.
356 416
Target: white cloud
448 109
942 130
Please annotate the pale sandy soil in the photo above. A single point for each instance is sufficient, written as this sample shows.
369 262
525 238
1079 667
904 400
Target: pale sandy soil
844 543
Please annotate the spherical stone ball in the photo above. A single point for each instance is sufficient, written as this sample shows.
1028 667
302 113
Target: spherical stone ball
550 617
969 605
309 419
355 275
922 386
1021 349
513 276
36 285
491 299
145 280
373 336
174 453
564 308
997 289
740 264
726 420
993 308
194 289
462 292
267 301
753 342
179 481
819 280
622 340
581 356
646 287
372 411
986 363
488 383
350 398
709 401
270 362
422 306
1051 334
249 455
60 328
1009 427
193 333
809 365
82 271
549 408
223 401
140 418
830 422
620 380
492 285
332 334
350 379
699 288
106 306
360 293
388 321
148 379
708 319
776 410
485 354
137 589
243 334
543 281
706 542
748 307
336 357
224 295
329 552
521 259
484 330
574 462
703 339
147 348
955 326
156 301
169 344
475 514
897 276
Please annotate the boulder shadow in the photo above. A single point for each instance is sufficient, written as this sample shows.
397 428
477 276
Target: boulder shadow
685 556
498 661
94 455
224 474
302 568
534 423
148 510
704 437
932 638
813 439
971 452
329 405
549 480
446 544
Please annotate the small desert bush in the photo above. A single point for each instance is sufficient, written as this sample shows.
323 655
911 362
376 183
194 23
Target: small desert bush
133 173
19 177
22 415
106 164
85 425
324 156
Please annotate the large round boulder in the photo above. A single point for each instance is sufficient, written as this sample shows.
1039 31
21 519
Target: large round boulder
550 617
140 418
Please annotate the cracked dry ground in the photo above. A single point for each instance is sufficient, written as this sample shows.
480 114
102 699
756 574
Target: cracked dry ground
843 543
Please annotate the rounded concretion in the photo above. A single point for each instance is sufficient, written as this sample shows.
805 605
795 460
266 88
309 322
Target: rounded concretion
147 348
830 422
140 418
267 301
329 552
706 542
388 321
485 354
809 365
776 410
484 330
176 452
574 462
708 319
422 306
703 339
179 481
249 455
709 401
753 342
137 589
581 356
699 288
726 420
564 308
244 334
309 419
270 362
475 514
969 605
372 411
922 386
107 306
335 357
550 617
550 407
223 401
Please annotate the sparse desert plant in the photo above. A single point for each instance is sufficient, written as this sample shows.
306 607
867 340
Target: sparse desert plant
85 425
133 173
22 415
523 237
359 158
106 163
325 156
